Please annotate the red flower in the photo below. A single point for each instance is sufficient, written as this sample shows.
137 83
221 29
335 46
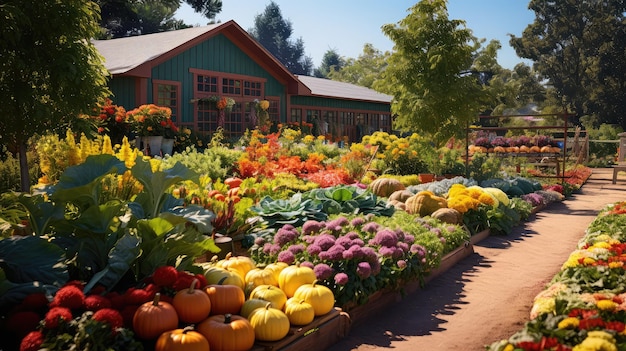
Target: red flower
165 276
69 296
96 302
112 317
32 341
56 315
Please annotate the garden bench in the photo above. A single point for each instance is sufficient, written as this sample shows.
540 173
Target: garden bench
616 169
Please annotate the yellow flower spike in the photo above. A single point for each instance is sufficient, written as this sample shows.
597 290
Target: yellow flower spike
107 148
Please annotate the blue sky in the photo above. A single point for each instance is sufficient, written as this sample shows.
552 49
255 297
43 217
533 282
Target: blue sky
347 25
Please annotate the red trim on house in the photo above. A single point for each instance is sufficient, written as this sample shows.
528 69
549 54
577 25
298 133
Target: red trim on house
141 91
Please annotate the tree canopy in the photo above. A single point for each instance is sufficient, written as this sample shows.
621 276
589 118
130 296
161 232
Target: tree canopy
578 46
364 70
274 33
429 73
331 61
121 18
50 72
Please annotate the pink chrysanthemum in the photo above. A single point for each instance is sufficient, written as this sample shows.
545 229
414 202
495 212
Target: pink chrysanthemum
364 270
323 271
341 279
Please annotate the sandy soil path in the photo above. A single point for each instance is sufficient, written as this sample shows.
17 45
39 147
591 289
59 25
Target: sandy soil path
488 295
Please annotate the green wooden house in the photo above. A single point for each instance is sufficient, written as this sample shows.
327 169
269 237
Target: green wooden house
188 69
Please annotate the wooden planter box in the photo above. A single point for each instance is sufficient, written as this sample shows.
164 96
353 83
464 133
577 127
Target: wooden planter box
320 334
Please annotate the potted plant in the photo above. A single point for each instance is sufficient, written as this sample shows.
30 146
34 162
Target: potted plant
149 123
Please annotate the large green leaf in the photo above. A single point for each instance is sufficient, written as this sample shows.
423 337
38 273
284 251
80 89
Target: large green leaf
41 212
120 259
33 259
80 184
156 184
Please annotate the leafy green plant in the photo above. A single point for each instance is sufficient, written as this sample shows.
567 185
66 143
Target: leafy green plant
295 211
115 243
349 199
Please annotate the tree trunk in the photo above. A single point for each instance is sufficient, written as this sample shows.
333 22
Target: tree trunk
24 171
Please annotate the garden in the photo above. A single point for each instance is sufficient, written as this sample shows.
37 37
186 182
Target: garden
227 244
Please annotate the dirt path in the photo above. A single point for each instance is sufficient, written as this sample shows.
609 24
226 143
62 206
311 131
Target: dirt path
488 295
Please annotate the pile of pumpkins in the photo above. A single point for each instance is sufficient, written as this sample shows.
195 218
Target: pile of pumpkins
239 305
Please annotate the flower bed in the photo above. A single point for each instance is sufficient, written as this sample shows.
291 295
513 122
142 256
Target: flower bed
584 306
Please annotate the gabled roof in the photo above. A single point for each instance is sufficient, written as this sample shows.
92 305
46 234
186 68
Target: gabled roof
135 56
329 88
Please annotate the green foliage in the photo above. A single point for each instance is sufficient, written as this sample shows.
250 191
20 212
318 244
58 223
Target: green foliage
295 211
349 199
215 162
578 47
364 70
10 171
428 73
483 167
274 33
330 62
604 132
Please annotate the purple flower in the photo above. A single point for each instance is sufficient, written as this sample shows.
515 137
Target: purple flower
341 279
363 270
403 246
418 250
325 241
307 264
344 241
451 229
270 249
296 249
409 239
354 252
401 264
334 253
387 251
334 225
370 227
357 221
443 240
313 250
287 257
311 227
436 231
375 268
259 241
347 254
323 271
284 236
369 254
309 239
385 237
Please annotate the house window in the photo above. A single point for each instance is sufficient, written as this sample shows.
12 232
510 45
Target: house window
206 84
231 86
296 116
234 122
252 88
167 93
206 117
273 112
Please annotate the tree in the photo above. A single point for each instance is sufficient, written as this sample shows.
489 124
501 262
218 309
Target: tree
363 70
273 32
122 18
331 61
430 73
50 71
578 45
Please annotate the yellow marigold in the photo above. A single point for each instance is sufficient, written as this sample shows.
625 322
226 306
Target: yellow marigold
308 138
458 204
606 305
509 347
601 245
569 323
618 264
588 261
542 306
597 341
487 199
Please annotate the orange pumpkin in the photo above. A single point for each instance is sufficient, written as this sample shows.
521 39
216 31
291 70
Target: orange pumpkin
154 318
227 333
270 324
181 339
225 298
293 276
192 305
319 296
233 182
276 296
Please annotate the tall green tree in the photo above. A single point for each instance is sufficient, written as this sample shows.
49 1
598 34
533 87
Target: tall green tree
429 73
274 32
364 70
50 72
331 61
121 18
578 45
